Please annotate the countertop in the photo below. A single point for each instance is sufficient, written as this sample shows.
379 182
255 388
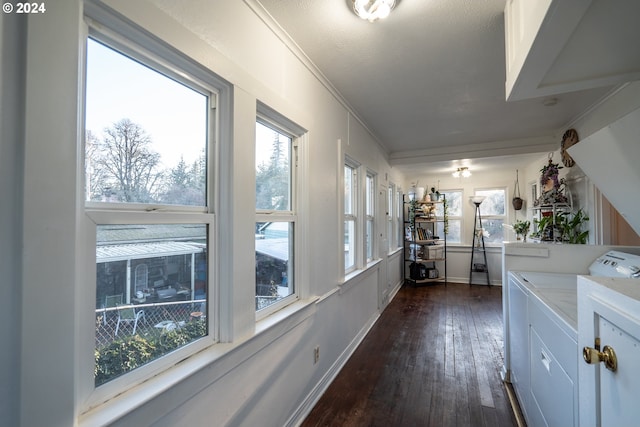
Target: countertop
556 294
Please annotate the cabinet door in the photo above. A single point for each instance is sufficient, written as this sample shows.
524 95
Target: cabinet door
552 389
609 398
519 342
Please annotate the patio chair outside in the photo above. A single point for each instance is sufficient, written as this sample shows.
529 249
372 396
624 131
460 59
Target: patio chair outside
109 302
129 315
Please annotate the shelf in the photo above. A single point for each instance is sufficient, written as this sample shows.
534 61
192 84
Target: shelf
425 260
429 202
420 229
422 281
552 207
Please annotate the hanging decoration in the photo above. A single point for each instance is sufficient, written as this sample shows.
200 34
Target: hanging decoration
569 138
552 187
517 200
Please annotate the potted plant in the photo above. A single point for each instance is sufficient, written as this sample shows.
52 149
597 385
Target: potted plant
570 227
522 229
413 207
542 228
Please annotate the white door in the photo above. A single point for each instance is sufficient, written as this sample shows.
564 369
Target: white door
608 398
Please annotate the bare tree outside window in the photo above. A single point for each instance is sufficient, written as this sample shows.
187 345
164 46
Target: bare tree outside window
130 170
146 132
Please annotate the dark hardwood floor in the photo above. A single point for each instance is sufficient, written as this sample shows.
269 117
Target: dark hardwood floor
432 359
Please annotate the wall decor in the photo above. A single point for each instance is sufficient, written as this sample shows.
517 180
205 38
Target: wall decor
569 138
517 200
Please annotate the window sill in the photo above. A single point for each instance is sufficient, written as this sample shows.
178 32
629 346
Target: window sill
352 276
220 358
394 252
294 312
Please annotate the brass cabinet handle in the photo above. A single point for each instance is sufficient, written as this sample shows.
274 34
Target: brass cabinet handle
593 356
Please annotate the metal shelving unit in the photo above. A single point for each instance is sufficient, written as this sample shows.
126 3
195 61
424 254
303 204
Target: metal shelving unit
425 253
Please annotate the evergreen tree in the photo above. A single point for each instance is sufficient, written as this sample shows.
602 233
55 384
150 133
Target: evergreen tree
272 179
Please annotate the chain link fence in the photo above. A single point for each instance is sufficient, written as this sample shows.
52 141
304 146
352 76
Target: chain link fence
157 318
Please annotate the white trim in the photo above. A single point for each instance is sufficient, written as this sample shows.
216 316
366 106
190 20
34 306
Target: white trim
279 123
106 26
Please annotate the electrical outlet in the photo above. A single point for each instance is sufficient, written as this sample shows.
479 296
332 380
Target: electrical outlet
316 354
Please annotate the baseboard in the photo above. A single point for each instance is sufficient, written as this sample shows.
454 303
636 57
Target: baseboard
314 396
515 406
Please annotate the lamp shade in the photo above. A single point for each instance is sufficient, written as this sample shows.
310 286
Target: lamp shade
477 199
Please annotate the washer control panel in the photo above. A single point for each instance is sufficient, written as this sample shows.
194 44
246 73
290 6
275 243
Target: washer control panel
616 264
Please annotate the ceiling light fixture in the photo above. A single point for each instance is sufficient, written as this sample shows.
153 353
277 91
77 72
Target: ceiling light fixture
372 10
464 172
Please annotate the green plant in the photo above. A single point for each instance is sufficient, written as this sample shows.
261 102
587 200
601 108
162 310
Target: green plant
571 227
176 338
541 226
522 227
122 356
125 354
445 216
413 207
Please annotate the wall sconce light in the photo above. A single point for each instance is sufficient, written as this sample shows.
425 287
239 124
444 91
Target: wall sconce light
464 172
372 10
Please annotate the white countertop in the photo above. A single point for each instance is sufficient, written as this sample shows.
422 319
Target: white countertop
555 293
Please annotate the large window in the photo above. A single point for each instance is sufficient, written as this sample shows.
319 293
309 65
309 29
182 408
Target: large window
276 213
146 132
453 200
370 203
147 128
391 217
350 215
399 214
493 211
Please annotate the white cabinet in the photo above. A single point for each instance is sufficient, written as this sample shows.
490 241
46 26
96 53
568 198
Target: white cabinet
554 372
543 355
609 309
559 46
519 342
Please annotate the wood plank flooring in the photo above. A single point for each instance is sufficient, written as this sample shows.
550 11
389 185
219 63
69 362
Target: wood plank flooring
432 359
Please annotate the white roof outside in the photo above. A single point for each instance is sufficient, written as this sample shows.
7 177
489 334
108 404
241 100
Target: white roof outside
276 248
111 253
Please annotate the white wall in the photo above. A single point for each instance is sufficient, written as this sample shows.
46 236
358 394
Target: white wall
265 374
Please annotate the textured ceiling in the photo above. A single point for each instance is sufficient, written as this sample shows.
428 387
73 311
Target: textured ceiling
431 76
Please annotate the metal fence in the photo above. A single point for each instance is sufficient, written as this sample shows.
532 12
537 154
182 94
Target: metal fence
157 318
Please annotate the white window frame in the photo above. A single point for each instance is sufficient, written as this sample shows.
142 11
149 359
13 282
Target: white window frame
486 217
391 217
352 216
399 214
371 204
278 122
107 28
